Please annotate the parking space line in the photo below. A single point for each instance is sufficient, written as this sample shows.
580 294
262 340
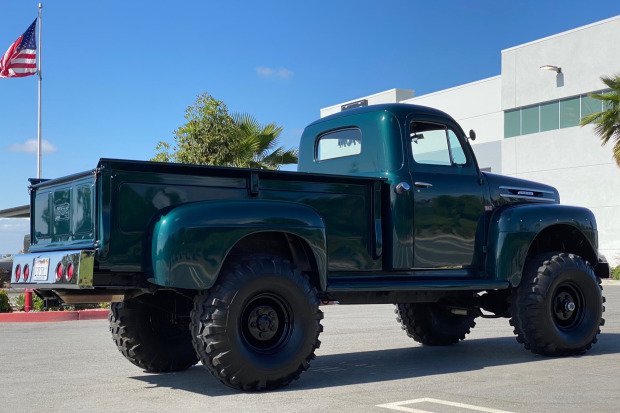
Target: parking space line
400 406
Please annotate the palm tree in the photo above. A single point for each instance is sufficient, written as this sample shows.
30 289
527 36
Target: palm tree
607 122
256 144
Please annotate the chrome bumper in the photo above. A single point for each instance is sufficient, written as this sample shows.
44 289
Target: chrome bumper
83 262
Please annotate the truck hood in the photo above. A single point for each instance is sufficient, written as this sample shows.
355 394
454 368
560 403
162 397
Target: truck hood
505 190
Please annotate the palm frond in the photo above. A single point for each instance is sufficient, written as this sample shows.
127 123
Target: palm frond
280 156
257 144
607 122
617 152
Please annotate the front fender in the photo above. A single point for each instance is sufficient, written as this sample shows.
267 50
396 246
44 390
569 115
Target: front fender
190 242
513 229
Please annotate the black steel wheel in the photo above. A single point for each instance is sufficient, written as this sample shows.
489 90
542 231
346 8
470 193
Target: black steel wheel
557 309
267 322
152 331
433 324
258 327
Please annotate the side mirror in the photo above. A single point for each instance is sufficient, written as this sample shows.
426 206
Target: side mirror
472 135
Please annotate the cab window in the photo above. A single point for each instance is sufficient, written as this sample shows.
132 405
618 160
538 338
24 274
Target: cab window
435 144
338 144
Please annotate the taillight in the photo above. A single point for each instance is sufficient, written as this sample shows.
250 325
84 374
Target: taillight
70 272
59 272
26 272
18 272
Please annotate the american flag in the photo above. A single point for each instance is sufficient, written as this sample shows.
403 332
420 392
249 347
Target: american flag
21 58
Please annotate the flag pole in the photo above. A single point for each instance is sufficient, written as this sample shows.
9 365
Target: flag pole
39 115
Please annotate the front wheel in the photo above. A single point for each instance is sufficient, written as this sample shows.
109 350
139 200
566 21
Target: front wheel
258 327
557 309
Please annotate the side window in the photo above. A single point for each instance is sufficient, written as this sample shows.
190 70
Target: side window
458 155
435 144
338 144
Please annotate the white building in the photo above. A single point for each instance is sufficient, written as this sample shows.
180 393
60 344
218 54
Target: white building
526 119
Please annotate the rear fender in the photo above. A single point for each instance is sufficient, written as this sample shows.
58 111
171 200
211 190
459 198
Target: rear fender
520 230
191 242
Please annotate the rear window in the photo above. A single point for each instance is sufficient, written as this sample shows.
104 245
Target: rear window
338 144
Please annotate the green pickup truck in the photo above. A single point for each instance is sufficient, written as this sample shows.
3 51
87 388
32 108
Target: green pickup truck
229 266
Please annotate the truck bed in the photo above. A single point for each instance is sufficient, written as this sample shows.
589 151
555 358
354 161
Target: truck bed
112 208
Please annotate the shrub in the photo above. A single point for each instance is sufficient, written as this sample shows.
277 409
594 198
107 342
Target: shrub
5 304
20 302
91 306
615 273
37 305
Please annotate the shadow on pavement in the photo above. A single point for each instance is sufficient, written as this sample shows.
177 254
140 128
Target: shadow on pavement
384 365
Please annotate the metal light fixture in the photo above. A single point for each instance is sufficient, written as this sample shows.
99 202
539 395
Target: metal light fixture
556 69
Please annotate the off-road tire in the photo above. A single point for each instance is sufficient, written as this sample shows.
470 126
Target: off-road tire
258 327
557 308
152 331
433 324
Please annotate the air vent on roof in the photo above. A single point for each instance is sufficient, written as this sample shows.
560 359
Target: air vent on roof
353 105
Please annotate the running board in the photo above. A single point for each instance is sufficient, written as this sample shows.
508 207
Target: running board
387 283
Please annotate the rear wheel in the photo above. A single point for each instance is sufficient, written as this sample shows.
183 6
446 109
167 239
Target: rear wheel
433 324
557 309
152 331
258 327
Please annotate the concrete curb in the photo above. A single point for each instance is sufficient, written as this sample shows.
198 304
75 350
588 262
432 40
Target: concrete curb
52 316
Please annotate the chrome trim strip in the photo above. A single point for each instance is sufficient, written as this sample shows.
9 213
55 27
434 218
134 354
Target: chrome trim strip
529 198
514 188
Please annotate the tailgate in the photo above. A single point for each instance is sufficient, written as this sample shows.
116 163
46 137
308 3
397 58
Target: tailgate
63 213
62 234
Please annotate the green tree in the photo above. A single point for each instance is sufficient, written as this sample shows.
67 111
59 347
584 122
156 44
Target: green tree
607 122
205 139
211 136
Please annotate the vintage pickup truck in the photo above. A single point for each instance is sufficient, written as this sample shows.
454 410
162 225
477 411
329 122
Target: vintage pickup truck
229 266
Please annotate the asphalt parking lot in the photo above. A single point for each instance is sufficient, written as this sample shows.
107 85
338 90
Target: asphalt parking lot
365 363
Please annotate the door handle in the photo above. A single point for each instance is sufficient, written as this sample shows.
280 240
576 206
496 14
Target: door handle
423 184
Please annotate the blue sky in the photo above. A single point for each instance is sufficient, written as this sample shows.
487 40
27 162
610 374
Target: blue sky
118 76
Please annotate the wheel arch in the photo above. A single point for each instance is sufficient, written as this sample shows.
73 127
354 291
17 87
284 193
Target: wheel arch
564 238
520 231
190 243
288 245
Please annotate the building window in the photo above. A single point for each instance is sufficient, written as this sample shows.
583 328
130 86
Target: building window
589 105
563 113
338 144
549 116
530 120
569 112
512 123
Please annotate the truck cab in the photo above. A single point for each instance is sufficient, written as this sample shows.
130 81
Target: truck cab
444 211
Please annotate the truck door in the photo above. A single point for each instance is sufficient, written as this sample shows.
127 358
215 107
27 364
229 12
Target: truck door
447 195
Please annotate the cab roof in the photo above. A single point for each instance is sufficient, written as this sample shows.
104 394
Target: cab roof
397 109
